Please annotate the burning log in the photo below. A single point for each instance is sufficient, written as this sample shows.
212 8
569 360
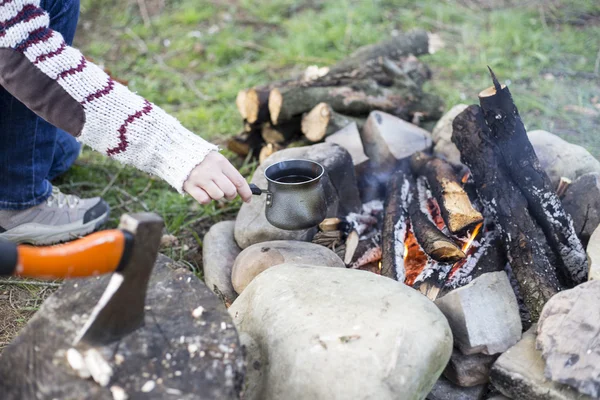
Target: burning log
502 199
322 121
457 211
368 252
435 244
523 166
394 227
563 185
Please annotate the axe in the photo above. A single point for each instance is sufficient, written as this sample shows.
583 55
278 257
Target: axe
128 252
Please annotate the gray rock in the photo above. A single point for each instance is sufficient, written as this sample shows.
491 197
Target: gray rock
219 251
568 331
469 370
403 138
560 158
582 202
446 390
261 256
333 333
519 374
349 138
484 315
593 253
442 135
341 192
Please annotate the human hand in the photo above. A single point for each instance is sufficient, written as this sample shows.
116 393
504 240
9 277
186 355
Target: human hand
215 178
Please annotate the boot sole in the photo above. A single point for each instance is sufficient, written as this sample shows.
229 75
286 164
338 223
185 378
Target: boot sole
43 235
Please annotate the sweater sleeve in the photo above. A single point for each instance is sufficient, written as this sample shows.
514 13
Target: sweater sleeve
61 86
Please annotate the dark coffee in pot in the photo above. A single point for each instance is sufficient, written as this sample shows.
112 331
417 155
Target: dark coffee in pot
293 179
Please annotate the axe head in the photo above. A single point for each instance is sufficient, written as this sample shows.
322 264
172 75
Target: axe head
120 310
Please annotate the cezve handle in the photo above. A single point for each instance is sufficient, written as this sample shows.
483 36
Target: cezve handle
99 253
256 190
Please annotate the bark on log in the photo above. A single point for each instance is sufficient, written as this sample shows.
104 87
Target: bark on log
359 99
457 211
322 121
433 242
246 143
257 105
508 132
504 202
415 42
394 226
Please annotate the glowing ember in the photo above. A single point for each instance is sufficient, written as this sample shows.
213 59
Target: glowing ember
379 266
415 258
436 215
465 177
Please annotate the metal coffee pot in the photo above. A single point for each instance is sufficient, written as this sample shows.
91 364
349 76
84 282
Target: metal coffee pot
295 194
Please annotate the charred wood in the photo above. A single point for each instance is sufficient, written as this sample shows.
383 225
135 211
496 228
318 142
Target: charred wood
457 211
505 203
523 166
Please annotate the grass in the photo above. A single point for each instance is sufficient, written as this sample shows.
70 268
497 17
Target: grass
191 57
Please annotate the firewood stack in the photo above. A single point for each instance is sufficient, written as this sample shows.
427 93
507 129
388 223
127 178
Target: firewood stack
386 76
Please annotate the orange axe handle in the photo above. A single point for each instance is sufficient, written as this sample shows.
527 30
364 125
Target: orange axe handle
99 253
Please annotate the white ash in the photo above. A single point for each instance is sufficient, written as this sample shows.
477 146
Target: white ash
423 195
197 313
464 274
75 360
400 232
362 222
431 266
148 386
118 393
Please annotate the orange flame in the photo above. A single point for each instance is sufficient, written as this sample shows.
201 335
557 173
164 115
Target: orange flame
465 177
469 242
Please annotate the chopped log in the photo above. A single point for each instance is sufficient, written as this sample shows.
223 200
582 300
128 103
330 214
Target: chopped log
257 107
240 102
523 166
360 98
330 224
394 226
246 143
457 211
433 242
167 352
283 133
505 203
267 150
563 185
322 121
415 42
351 245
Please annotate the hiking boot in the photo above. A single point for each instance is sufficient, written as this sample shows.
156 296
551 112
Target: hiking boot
59 219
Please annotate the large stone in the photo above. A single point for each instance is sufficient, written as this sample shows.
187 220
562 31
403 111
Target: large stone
219 251
442 135
568 331
446 390
341 192
261 256
519 374
332 333
484 315
593 253
582 202
469 370
560 158
187 349
402 138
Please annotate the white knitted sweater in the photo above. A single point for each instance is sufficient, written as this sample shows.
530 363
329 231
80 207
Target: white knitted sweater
117 122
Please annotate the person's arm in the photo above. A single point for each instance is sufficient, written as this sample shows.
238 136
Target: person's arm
60 85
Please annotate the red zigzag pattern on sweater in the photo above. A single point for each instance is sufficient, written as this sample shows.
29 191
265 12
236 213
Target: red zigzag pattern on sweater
122 146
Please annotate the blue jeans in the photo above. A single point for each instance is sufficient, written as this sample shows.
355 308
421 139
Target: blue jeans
33 152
